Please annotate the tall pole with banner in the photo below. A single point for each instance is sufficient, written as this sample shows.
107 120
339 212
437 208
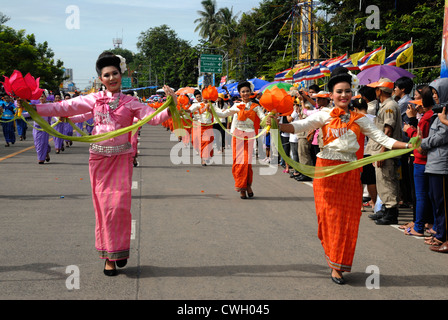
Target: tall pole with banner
444 64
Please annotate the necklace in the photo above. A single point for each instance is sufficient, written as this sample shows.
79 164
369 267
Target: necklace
114 104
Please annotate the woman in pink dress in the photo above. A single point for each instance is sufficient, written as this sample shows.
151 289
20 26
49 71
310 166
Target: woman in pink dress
111 161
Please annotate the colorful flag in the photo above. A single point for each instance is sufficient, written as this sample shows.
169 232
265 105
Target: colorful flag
300 75
363 63
314 73
348 63
282 76
377 58
356 57
392 59
406 56
336 62
444 63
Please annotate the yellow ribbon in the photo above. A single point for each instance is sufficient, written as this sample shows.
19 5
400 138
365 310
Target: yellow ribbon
323 172
100 137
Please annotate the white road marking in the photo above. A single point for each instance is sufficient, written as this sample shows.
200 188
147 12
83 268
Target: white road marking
133 229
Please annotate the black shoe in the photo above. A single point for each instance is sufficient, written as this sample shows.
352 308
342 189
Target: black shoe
379 214
376 216
390 217
303 177
340 281
121 263
109 273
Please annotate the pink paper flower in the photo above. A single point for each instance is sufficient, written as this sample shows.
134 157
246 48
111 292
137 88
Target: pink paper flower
26 88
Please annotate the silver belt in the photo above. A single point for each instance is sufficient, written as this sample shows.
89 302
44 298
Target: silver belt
110 149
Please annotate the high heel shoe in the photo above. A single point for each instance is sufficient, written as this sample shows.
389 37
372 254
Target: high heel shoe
109 273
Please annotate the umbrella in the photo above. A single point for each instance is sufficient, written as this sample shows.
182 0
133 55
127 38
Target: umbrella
373 74
258 83
186 90
277 84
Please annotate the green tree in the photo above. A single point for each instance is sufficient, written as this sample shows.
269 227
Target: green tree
208 23
20 51
173 61
399 22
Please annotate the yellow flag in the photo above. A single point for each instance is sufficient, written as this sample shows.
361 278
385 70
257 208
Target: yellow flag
356 57
377 57
406 56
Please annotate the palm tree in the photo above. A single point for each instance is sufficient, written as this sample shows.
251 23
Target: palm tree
208 22
227 25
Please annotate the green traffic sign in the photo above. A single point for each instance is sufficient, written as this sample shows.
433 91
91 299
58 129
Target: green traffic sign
211 63
126 82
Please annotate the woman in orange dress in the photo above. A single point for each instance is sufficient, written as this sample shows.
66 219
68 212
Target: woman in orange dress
245 124
337 209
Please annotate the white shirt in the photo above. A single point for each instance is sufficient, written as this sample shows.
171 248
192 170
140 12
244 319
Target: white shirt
247 125
345 147
205 117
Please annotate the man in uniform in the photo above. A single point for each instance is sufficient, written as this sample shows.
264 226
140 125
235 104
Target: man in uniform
388 120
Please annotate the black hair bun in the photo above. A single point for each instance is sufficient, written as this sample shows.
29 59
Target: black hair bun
339 74
107 59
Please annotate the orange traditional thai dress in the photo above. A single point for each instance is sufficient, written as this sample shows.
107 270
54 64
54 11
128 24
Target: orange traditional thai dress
339 209
203 136
245 125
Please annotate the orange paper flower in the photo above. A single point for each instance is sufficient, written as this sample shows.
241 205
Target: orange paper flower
183 100
210 93
277 99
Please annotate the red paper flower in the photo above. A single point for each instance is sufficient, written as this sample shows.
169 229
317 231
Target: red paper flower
210 93
26 88
277 99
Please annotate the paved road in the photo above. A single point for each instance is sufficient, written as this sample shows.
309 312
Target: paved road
193 239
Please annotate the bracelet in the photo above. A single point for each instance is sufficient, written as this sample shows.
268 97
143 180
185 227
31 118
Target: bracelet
407 146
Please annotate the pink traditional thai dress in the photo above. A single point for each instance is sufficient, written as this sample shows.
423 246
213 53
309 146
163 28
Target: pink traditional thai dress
110 163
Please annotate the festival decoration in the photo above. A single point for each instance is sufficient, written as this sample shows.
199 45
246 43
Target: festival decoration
26 88
210 93
277 99
183 101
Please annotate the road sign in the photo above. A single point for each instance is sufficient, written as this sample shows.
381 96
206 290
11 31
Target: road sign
211 63
126 83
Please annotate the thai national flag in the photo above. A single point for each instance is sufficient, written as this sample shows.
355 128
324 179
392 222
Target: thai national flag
300 74
392 59
281 76
314 73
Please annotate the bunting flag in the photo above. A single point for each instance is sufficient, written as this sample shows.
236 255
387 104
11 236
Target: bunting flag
336 62
314 73
406 56
348 63
323 67
283 76
356 57
301 73
364 64
392 59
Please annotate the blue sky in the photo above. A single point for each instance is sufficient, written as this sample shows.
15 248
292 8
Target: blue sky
102 20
